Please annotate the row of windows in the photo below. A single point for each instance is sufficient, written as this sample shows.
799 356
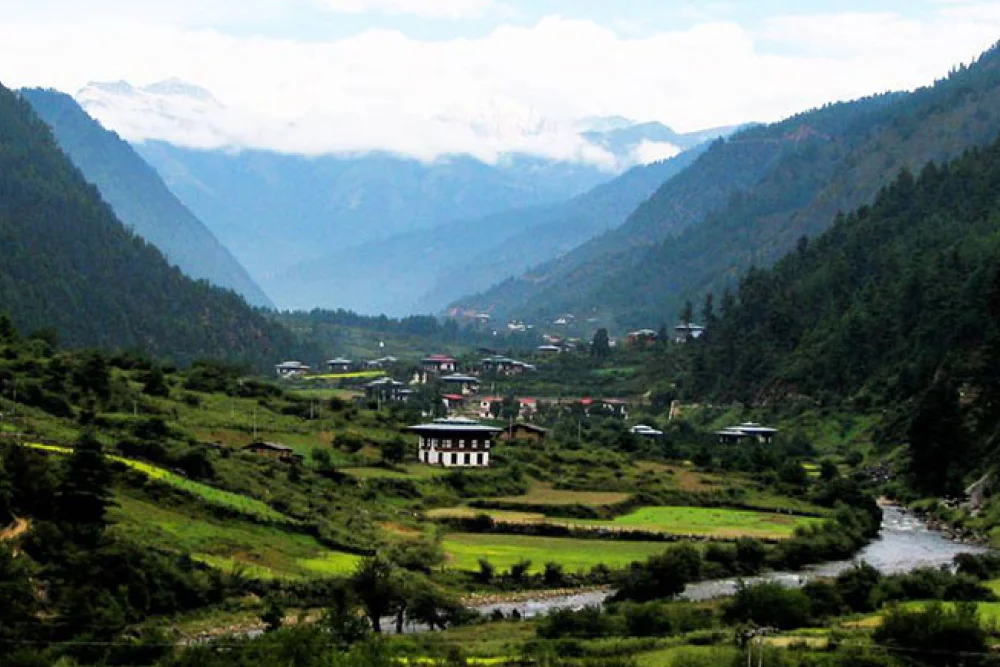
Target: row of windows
434 442
463 459
458 458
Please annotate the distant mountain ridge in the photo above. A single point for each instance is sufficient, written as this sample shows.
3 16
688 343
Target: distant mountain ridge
423 271
139 197
68 264
750 198
274 211
301 224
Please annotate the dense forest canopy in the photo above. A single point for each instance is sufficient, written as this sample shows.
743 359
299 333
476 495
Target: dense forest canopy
898 304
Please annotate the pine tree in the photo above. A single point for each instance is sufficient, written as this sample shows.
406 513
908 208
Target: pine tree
85 493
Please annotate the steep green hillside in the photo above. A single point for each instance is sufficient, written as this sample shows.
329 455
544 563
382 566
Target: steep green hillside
139 198
66 263
897 306
749 199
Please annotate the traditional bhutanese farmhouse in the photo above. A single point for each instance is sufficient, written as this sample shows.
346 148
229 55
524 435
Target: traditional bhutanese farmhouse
746 431
685 332
453 401
339 365
522 431
290 369
455 442
387 390
381 363
641 338
439 363
504 365
461 384
490 407
272 450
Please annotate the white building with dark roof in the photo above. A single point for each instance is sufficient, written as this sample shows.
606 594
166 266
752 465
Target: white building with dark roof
688 331
339 365
746 431
290 369
455 443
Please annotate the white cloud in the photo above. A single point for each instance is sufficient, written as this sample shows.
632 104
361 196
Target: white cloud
451 9
648 151
516 88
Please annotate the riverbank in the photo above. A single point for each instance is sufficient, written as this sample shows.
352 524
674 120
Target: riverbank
905 543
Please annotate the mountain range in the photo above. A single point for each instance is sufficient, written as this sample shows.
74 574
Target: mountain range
314 229
422 271
68 265
139 197
749 199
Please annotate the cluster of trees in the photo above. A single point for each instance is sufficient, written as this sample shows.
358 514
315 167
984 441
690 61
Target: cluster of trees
896 305
70 581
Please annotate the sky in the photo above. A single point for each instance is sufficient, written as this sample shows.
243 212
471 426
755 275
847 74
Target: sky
485 77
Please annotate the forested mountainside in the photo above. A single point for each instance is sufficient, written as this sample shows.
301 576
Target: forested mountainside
275 211
898 304
66 263
422 271
139 197
749 199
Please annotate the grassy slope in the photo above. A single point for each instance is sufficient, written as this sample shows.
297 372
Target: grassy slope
266 551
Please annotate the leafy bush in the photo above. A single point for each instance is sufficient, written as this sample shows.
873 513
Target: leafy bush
769 604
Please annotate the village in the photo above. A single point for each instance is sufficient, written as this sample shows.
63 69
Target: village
475 401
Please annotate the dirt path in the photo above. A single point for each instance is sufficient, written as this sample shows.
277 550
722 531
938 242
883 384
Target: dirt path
15 530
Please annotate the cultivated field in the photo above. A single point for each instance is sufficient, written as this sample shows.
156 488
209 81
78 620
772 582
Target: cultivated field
706 521
540 493
465 549
700 521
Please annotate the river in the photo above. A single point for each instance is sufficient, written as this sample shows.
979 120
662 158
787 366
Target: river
904 543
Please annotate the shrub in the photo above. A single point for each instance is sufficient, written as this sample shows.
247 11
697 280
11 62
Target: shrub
956 629
769 604
587 623
661 576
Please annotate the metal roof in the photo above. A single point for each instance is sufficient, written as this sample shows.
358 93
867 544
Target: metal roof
455 425
459 378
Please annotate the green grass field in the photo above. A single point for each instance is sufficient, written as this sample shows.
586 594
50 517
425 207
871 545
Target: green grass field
465 549
701 521
707 521
265 551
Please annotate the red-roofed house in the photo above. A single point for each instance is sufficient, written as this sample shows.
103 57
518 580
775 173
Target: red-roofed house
527 407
